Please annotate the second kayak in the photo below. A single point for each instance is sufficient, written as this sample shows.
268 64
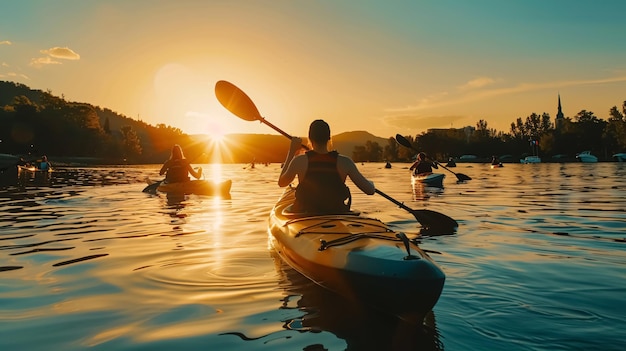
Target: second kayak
198 187
429 179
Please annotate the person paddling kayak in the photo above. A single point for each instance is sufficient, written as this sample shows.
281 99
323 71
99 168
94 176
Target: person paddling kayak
178 168
421 165
321 174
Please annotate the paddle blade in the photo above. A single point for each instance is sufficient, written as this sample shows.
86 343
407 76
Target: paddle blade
430 220
236 101
462 177
403 141
152 188
435 222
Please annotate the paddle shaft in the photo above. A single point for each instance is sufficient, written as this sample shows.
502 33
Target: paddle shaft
240 104
400 204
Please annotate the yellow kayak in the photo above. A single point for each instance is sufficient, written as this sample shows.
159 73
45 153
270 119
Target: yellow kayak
198 187
358 257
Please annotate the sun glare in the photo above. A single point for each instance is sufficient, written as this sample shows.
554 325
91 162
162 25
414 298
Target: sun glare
216 136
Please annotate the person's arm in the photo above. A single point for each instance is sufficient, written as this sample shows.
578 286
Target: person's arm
356 176
164 168
290 169
196 174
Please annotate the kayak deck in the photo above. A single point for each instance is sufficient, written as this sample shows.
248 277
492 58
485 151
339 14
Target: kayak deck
197 186
429 179
357 257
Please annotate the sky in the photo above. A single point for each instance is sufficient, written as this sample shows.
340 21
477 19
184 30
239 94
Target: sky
385 67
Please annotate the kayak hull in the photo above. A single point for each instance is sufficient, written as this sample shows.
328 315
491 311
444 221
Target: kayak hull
357 257
429 179
198 187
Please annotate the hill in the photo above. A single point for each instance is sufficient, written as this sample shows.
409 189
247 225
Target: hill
346 142
34 122
261 148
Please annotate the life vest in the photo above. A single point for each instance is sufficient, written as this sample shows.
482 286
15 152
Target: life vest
423 167
322 190
177 171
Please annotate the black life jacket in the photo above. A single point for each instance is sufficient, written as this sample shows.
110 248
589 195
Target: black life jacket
322 191
177 171
423 167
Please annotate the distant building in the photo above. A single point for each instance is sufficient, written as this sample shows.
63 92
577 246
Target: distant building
558 121
467 131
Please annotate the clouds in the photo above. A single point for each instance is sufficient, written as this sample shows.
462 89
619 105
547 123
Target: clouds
53 54
477 83
5 42
61 53
445 109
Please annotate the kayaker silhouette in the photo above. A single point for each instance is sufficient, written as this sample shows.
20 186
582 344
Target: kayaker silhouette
421 165
321 174
177 168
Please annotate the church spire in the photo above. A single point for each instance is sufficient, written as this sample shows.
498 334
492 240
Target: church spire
559 116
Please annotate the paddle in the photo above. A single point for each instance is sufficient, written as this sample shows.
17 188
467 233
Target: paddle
152 188
404 142
239 104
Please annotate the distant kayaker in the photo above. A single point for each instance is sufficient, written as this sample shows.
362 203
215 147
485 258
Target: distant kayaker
421 165
45 165
178 168
321 174
495 160
451 162
22 162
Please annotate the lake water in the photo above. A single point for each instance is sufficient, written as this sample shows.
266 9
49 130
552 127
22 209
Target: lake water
87 260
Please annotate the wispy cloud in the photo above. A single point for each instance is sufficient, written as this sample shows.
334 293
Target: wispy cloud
43 61
5 42
420 122
416 116
61 53
54 54
465 95
13 75
477 83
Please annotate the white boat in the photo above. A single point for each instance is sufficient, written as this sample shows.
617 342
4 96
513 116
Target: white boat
587 157
531 159
620 157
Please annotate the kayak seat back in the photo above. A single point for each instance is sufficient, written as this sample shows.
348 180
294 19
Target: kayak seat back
289 213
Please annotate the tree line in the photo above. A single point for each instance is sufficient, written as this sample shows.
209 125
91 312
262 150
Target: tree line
34 122
536 134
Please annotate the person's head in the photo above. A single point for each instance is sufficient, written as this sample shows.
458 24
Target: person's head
421 156
177 152
44 158
319 132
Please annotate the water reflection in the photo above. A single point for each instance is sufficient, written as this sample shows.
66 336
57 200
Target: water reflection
422 192
363 328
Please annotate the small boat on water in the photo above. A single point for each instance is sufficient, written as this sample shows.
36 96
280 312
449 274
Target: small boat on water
196 186
620 157
428 179
497 165
358 257
531 159
587 157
